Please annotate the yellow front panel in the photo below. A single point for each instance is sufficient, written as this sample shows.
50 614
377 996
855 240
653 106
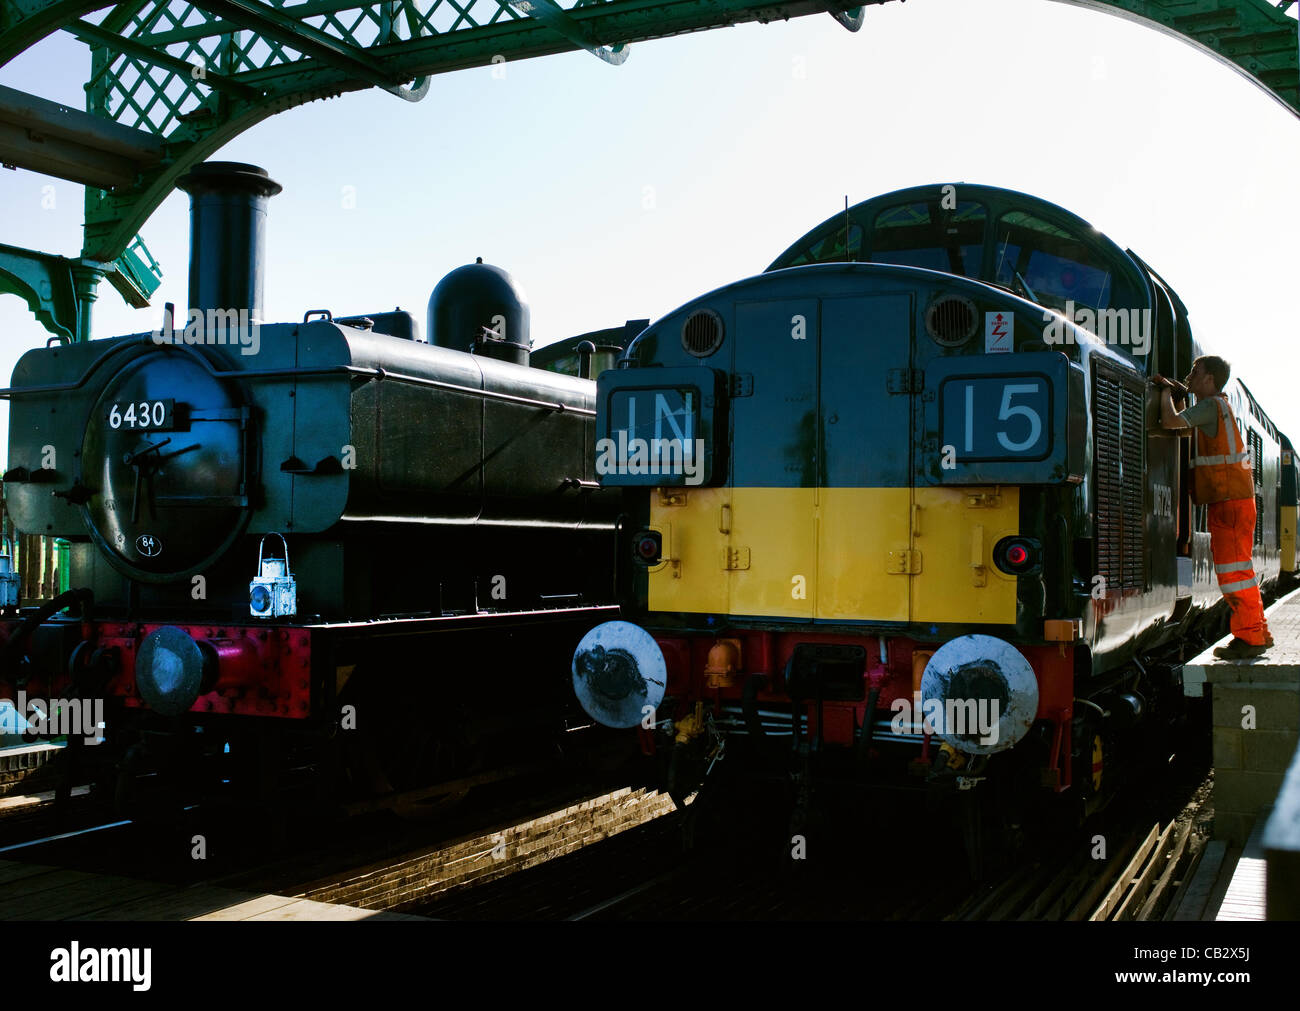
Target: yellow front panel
691 577
774 533
955 530
862 549
1288 538
748 551
836 554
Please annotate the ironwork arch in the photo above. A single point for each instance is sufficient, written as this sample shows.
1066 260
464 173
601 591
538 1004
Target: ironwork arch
1255 38
174 80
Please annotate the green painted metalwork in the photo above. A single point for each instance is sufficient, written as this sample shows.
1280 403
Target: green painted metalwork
60 291
1254 37
44 281
136 274
199 73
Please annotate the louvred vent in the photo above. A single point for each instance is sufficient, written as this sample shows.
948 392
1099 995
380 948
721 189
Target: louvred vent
1119 430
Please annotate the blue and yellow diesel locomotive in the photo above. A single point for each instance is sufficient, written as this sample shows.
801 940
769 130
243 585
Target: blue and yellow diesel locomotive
906 494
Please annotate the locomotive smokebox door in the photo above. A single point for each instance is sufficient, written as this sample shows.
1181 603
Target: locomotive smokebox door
273 593
163 476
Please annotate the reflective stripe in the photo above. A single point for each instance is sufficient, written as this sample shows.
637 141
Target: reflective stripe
1244 584
1221 463
1233 566
1210 461
1229 425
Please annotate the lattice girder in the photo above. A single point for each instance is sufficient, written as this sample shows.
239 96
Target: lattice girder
199 73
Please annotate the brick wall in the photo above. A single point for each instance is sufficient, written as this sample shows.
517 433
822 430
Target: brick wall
22 769
1250 762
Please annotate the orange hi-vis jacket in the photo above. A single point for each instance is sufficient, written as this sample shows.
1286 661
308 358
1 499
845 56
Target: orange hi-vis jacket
1221 465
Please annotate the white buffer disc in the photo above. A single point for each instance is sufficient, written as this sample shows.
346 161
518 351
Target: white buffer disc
619 670
986 692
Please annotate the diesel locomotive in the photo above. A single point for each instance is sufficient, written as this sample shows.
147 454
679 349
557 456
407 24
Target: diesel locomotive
902 504
333 535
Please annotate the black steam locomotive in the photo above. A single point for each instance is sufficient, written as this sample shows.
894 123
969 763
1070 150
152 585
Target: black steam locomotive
916 468
327 534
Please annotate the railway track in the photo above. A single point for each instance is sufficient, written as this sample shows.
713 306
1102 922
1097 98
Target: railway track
1131 862
619 856
1131 869
643 874
31 817
321 854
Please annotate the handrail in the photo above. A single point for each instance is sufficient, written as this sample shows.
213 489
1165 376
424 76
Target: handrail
361 372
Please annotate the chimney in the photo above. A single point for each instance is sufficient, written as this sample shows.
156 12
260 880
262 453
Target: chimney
227 235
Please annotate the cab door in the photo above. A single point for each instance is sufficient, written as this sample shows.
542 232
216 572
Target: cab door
770 561
866 554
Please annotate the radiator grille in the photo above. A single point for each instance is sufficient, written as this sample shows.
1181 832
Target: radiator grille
1118 434
1255 446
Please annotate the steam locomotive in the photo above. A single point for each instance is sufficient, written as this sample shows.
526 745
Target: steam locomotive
901 510
328 535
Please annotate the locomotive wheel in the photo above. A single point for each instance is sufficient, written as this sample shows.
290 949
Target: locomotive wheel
416 759
151 780
700 797
971 814
989 827
124 788
398 749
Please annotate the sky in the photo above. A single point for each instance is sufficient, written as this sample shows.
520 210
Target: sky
616 193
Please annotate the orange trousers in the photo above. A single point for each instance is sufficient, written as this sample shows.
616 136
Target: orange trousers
1232 542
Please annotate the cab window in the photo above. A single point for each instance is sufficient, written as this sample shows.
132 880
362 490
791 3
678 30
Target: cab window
1048 264
837 246
925 234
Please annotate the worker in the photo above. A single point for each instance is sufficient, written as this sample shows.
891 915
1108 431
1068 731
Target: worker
1222 480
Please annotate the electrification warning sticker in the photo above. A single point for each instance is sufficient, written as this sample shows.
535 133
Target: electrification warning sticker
997 333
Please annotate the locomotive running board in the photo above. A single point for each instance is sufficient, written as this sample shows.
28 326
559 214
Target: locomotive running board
605 612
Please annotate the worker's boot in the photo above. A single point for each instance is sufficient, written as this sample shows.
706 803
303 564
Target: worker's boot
1240 649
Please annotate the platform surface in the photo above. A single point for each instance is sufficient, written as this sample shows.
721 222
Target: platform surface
1256 720
1244 898
20 761
1283 659
38 892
